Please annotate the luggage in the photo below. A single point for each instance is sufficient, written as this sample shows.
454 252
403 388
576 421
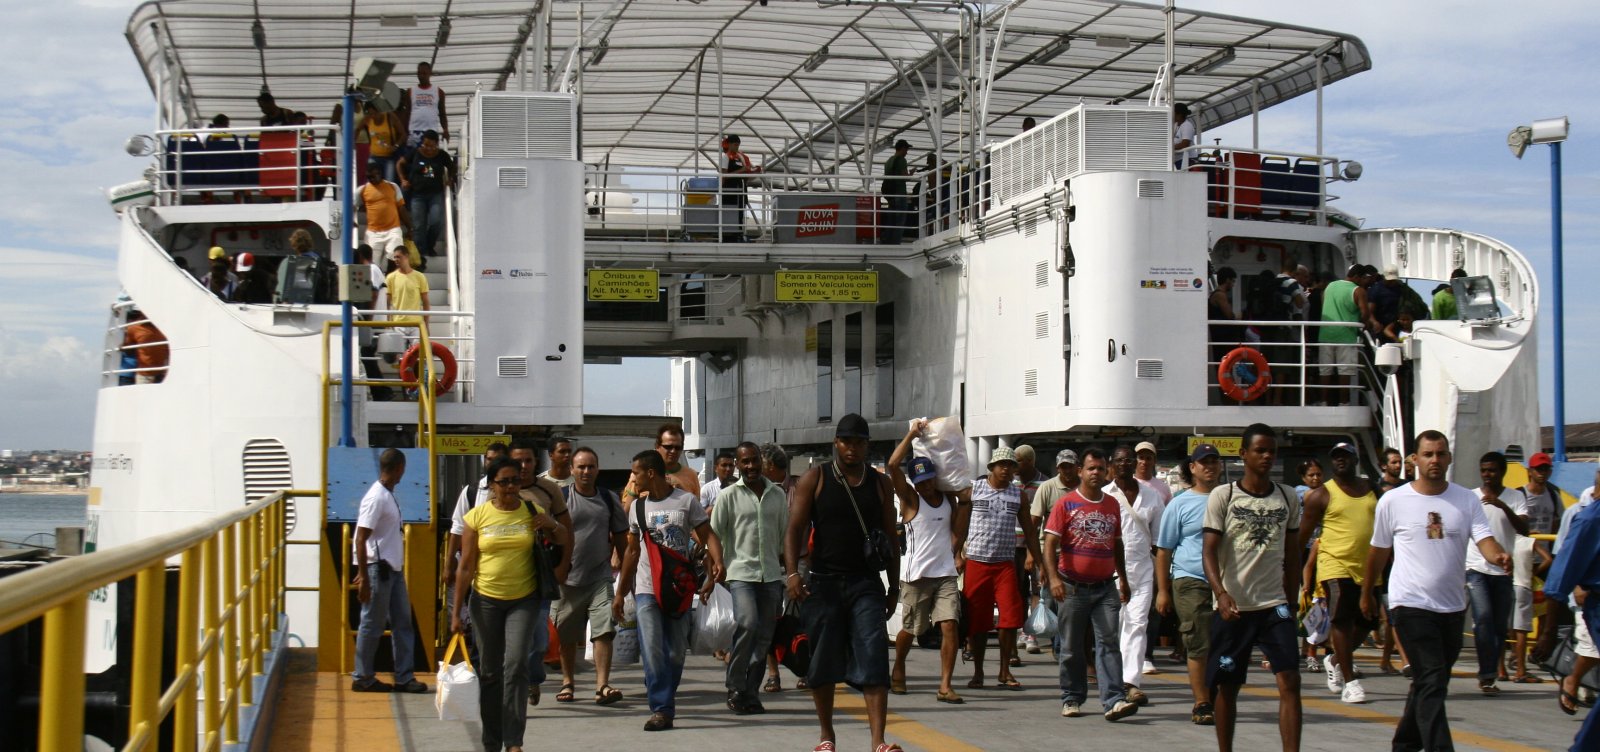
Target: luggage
1559 664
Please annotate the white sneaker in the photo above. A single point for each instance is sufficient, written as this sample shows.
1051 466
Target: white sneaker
1032 645
1335 677
1353 693
1149 668
1071 710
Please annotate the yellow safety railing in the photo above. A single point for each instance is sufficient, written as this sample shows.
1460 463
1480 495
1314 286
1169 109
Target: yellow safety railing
230 602
427 429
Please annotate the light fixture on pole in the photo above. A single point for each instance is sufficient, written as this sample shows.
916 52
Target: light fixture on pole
1551 131
1213 61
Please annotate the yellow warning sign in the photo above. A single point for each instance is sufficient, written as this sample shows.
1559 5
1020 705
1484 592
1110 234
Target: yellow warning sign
633 285
827 287
465 443
1227 446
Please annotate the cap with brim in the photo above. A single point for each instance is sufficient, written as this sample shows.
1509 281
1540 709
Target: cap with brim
852 426
1540 460
1066 457
1143 445
1391 272
1343 446
1203 451
921 469
1002 454
245 262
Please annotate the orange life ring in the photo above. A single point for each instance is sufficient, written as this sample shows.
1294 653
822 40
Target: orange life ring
1236 367
408 364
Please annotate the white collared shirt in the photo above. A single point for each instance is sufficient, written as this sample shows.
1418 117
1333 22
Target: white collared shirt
1141 519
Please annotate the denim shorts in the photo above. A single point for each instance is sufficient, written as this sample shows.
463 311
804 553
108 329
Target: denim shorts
844 619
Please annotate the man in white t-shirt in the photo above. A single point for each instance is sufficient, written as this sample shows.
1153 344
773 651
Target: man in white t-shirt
380 585
1490 587
1427 526
722 469
1185 137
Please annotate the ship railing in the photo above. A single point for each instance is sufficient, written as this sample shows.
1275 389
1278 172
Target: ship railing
255 164
229 625
459 340
664 205
1269 185
114 373
1294 355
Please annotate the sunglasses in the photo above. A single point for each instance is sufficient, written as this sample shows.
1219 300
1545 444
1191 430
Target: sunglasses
672 447
505 481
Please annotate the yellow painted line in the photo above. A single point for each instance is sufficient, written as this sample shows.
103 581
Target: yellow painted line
317 712
901 727
1362 713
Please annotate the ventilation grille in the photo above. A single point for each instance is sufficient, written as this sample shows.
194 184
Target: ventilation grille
1030 228
1127 139
1084 139
1149 368
1152 189
1030 383
1041 274
511 366
1041 325
267 470
517 177
519 126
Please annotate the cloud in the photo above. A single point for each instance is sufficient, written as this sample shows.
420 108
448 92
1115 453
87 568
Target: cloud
50 387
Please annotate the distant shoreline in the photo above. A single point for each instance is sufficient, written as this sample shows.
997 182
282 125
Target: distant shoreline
44 489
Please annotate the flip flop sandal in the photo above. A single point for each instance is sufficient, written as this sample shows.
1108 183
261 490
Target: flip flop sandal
1529 679
823 747
801 684
897 686
975 684
1011 684
568 693
772 685
950 697
607 695
1563 698
887 748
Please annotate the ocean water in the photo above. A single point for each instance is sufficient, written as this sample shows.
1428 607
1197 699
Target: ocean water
24 515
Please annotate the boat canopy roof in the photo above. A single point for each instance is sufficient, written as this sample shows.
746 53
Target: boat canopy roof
827 83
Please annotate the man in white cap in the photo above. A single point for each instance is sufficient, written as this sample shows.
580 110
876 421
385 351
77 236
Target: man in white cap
1144 454
986 536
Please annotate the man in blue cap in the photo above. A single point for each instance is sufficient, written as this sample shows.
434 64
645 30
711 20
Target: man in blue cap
928 572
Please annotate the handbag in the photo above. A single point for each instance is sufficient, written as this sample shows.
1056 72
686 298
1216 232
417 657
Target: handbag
546 557
456 698
875 544
674 582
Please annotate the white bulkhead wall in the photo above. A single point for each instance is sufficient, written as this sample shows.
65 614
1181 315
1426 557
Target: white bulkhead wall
1138 294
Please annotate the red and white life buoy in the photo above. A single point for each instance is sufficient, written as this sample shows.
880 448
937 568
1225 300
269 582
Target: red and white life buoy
1243 374
408 366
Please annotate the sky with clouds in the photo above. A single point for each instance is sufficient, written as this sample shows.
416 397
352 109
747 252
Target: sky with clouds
1429 122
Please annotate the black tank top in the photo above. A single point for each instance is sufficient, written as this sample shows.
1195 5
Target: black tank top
838 545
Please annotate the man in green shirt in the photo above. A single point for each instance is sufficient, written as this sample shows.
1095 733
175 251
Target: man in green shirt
1344 301
895 190
1444 300
750 518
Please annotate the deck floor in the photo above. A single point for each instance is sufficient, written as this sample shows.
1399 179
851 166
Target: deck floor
318 712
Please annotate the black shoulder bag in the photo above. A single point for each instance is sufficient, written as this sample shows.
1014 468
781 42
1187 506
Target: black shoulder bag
875 543
546 556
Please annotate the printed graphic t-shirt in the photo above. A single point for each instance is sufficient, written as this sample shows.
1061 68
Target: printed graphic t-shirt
1089 531
1253 530
991 530
669 523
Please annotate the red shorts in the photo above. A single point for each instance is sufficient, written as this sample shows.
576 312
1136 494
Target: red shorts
987 586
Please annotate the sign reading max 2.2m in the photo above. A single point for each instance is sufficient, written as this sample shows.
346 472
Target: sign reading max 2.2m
634 285
827 287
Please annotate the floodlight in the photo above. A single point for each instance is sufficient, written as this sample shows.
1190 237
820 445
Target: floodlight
372 81
1475 299
1352 170
1213 61
140 145
816 60
1549 130
1052 50
442 38
1517 140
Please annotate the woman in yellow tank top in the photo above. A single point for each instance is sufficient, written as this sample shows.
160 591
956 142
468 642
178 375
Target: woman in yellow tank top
384 136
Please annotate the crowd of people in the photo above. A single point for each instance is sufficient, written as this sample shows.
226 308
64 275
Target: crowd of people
1090 562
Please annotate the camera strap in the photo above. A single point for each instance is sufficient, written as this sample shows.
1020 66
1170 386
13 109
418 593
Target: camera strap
843 481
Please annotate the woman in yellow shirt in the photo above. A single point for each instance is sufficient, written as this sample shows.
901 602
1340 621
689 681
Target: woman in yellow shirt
497 563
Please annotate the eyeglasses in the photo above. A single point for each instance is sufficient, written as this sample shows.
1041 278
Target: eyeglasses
671 447
504 481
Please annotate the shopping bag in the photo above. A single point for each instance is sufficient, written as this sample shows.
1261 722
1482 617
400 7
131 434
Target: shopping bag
625 647
1316 621
457 696
1042 622
943 442
713 622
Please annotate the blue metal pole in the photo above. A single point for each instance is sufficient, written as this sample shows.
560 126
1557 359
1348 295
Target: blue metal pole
347 187
1560 334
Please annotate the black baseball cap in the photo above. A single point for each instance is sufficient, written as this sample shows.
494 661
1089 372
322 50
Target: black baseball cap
852 426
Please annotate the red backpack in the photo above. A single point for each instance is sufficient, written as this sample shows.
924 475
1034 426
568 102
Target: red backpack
672 574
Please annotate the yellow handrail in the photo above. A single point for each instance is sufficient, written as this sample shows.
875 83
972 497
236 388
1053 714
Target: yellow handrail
228 606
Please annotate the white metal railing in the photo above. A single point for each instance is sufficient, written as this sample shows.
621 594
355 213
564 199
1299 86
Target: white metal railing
290 162
1267 185
1293 352
460 341
114 372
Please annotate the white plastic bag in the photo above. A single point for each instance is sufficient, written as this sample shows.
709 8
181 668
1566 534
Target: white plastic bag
1042 622
457 696
943 442
1316 622
713 623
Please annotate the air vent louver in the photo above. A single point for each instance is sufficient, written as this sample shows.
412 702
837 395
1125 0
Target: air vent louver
511 366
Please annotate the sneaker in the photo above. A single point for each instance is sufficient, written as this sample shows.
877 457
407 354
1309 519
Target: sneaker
1032 645
1121 710
1202 715
1070 709
1313 665
1353 694
1135 695
1488 688
1149 669
1335 678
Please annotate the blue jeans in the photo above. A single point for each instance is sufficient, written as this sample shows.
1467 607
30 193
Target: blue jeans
663 642
427 219
844 620
1491 620
390 606
538 642
755 613
1090 606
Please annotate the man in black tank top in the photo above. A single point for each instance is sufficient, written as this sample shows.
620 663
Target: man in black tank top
841 507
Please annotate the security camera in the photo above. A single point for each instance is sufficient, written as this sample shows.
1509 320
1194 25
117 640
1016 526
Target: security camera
1388 358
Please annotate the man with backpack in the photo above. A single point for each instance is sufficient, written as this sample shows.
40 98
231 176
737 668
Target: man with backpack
599 531
656 567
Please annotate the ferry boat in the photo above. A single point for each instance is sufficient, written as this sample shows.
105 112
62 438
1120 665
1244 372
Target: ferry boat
1047 286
